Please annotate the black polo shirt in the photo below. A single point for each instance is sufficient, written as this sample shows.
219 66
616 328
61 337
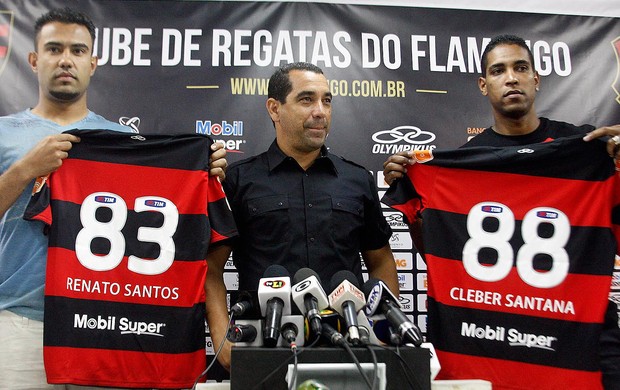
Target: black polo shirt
320 218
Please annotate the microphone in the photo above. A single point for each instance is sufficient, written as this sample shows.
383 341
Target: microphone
243 333
367 335
309 297
244 303
334 337
347 300
383 301
289 333
292 331
385 333
328 316
395 338
274 297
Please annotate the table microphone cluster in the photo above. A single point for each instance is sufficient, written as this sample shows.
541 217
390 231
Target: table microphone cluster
281 313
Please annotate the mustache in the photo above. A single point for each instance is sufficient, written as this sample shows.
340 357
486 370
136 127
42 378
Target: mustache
316 124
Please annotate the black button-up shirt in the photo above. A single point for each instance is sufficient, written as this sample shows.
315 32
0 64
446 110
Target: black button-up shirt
320 218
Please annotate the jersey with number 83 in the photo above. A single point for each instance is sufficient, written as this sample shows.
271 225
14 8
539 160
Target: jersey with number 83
130 218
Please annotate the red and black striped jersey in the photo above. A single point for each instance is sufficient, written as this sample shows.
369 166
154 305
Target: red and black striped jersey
130 221
520 244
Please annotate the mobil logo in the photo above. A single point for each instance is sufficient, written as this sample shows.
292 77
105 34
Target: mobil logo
234 128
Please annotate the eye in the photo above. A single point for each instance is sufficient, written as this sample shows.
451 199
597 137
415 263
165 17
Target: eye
79 50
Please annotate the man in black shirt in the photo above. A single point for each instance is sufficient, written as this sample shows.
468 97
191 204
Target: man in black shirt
510 82
297 204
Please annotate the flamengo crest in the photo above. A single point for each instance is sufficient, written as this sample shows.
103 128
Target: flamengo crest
6 26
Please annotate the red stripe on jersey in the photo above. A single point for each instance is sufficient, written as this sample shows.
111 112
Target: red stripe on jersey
458 190
80 366
150 183
216 190
409 209
514 375
451 285
180 286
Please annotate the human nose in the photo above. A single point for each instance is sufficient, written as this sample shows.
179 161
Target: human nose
511 77
66 60
320 109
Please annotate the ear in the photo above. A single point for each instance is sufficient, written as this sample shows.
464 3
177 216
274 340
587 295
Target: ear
32 60
482 85
273 108
93 64
537 80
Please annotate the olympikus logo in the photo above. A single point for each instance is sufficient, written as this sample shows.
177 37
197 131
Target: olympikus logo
125 325
513 336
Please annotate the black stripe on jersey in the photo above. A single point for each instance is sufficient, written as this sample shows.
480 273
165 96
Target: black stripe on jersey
88 324
191 237
219 211
486 338
615 215
568 158
180 151
594 246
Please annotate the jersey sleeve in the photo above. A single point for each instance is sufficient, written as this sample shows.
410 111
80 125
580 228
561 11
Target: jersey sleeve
220 215
39 207
403 197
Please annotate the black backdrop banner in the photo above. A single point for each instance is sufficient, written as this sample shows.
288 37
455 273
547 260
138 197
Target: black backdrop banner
402 77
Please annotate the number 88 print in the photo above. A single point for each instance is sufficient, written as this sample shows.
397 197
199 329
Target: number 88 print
111 230
533 244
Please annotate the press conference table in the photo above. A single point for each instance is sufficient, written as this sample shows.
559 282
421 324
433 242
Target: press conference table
250 365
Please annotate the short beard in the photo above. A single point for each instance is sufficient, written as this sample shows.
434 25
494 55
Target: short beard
65 96
515 114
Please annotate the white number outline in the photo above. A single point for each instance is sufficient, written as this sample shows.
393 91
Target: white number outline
111 230
553 246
